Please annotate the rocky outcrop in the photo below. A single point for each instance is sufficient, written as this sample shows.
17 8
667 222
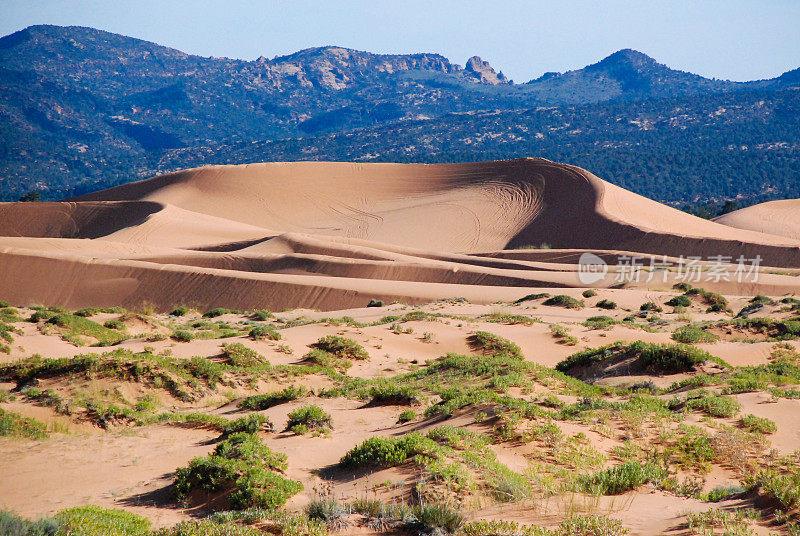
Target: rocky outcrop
481 71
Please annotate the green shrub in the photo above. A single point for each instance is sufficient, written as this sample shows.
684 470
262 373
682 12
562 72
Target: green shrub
406 415
503 528
590 525
115 324
13 525
659 358
183 335
650 306
250 424
723 493
258 333
715 406
692 334
387 394
375 303
311 417
530 297
491 344
341 347
75 327
240 355
17 426
622 478
208 527
326 359
377 452
218 311
429 517
680 301
96 521
261 315
180 311
563 336
327 510
758 425
563 300
606 304
243 466
268 400
588 293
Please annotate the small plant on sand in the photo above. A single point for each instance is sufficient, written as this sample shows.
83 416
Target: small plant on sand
182 335
268 400
680 301
261 315
389 394
17 426
590 525
692 334
309 418
430 517
562 335
180 311
243 466
606 304
75 329
259 333
588 293
530 297
239 355
96 521
407 415
563 300
341 347
621 478
491 344
758 425
650 306
715 406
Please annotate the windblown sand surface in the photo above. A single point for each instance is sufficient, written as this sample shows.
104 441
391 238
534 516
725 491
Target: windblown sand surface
779 218
335 235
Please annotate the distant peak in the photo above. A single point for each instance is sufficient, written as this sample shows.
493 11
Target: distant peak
484 72
628 56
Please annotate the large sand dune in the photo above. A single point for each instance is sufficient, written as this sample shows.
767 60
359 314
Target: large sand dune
780 218
333 235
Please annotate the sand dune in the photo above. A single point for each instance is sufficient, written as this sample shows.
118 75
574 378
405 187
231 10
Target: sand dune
779 218
334 235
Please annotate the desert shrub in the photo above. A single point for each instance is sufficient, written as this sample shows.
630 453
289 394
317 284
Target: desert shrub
307 418
429 517
389 394
328 510
243 466
660 358
180 311
218 311
326 359
563 336
599 322
491 344
200 367
589 293
590 525
650 306
341 347
115 324
378 452
692 334
783 488
406 415
261 315
75 327
502 528
680 301
17 426
530 297
239 355
258 333
208 527
268 400
375 303
715 406
96 521
13 525
606 304
250 424
622 478
182 335
758 425
723 493
562 300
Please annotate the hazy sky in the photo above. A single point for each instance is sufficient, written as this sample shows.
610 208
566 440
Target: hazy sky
733 39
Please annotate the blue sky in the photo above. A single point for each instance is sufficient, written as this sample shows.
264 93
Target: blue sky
733 39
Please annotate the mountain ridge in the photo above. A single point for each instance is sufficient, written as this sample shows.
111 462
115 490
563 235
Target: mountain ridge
82 107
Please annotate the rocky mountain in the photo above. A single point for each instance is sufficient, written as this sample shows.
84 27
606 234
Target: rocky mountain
81 108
